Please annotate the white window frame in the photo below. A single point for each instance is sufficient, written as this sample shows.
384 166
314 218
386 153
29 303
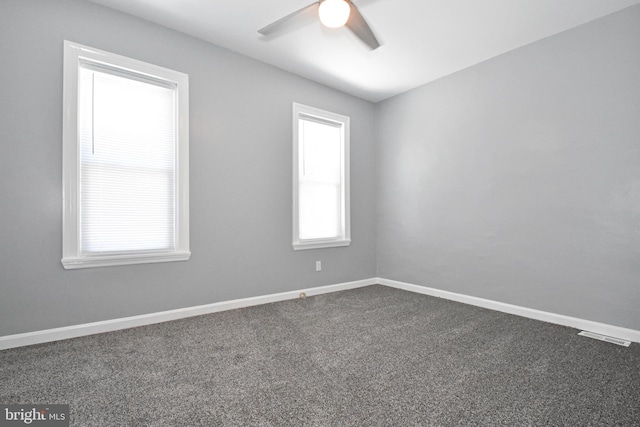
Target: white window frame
302 111
72 258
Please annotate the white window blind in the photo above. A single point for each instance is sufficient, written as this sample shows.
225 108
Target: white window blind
320 173
127 138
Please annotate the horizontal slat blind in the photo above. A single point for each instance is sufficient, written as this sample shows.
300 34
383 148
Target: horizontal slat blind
320 182
128 163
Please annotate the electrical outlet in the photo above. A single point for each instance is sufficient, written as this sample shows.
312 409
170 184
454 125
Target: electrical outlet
318 265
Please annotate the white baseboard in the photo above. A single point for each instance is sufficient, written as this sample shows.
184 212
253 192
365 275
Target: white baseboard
558 319
48 335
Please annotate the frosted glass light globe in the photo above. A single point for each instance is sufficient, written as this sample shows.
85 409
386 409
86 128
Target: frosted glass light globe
334 13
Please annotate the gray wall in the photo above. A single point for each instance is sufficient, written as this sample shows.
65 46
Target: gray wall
518 180
240 175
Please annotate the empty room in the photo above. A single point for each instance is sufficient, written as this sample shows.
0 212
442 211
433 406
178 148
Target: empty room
331 213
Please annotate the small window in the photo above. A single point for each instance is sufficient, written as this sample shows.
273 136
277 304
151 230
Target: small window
125 161
320 178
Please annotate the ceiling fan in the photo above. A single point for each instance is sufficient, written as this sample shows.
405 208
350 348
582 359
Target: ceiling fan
333 14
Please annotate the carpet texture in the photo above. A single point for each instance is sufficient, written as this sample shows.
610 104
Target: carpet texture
366 357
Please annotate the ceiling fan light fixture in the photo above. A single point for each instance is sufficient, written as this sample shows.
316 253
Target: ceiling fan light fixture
334 13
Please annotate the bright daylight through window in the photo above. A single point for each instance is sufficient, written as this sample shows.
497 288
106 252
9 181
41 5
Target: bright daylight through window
125 161
320 178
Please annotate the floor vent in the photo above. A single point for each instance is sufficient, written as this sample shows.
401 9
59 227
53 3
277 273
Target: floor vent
612 340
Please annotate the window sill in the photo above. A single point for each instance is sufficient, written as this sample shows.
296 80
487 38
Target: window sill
318 244
113 260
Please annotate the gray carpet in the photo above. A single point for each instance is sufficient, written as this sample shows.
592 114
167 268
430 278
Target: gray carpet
367 357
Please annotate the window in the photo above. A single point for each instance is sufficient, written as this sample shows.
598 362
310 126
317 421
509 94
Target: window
320 178
125 161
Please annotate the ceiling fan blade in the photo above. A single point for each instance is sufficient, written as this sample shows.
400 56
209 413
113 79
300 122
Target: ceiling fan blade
360 28
283 22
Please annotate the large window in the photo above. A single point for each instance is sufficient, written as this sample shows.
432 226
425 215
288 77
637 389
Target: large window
320 178
125 161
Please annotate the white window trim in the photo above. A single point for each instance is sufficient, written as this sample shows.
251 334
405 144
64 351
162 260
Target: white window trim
71 257
300 110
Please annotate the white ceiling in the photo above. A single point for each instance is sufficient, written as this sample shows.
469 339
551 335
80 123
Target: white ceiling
422 40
